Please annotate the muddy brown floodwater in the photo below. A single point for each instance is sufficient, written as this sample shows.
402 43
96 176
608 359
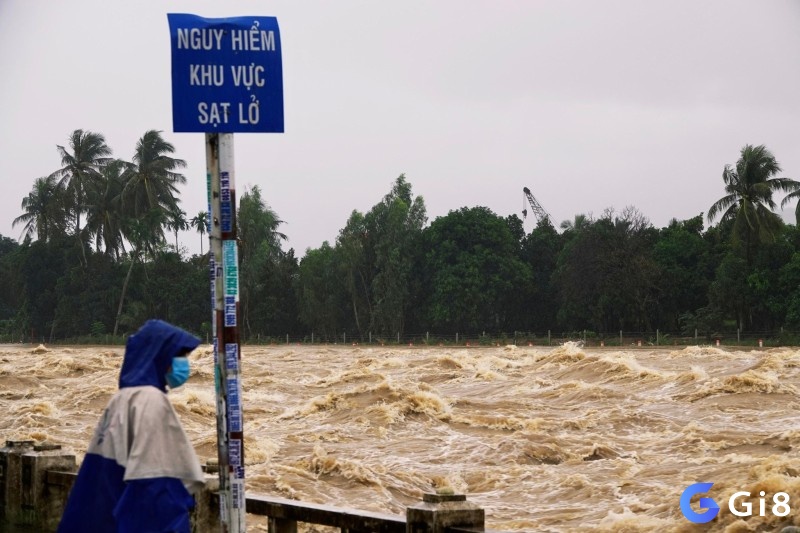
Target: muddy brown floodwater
554 439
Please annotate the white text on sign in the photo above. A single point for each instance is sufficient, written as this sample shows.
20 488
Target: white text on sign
243 75
252 40
219 112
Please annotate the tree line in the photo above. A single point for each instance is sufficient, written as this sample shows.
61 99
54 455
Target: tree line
96 257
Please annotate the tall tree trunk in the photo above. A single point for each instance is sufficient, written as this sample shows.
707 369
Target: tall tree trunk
78 228
366 299
122 295
244 307
355 315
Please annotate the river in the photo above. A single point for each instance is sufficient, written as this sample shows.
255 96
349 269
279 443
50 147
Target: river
554 439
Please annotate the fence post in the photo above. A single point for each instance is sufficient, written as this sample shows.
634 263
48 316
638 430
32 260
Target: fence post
738 338
427 337
456 337
620 338
282 525
548 337
438 512
398 337
312 337
657 335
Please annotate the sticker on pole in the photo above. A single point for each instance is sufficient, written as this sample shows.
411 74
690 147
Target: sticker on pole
227 75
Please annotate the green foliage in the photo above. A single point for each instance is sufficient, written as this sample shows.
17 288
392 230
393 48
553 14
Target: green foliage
606 276
686 268
705 321
267 274
375 256
470 272
748 202
200 223
44 210
540 250
393 228
98 329
80 167
474 272
789 284
151 180
11 297
105 211
321 295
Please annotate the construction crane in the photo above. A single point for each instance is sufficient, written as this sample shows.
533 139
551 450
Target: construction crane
536 207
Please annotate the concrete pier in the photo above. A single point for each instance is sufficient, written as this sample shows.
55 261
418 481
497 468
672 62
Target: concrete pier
33 487
439 512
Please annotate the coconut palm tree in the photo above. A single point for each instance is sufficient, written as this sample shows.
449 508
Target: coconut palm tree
200 223
105 217
148 196
145 234
80 167
748 202
43 210
794 186
580 222
176 221
151 179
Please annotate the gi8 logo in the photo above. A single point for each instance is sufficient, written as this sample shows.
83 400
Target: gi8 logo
710 506
736 505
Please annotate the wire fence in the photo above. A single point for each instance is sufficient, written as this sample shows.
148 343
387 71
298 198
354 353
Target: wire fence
518 338
545 338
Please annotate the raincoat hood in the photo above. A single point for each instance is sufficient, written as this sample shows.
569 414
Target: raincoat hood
149 353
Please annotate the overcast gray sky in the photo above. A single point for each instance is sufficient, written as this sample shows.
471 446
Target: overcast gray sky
589 103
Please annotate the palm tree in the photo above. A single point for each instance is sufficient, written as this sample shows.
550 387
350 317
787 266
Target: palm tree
794 186
176 221
145 234
200 223
748 202
43 210
151 180
89 153
148 197
580 222
105 217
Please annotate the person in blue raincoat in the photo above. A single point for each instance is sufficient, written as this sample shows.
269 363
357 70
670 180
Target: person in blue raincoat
140 468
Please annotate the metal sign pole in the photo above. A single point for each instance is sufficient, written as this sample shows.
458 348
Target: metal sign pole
225 317
227 78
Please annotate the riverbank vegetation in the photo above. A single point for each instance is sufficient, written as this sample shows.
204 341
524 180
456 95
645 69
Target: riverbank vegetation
99 255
